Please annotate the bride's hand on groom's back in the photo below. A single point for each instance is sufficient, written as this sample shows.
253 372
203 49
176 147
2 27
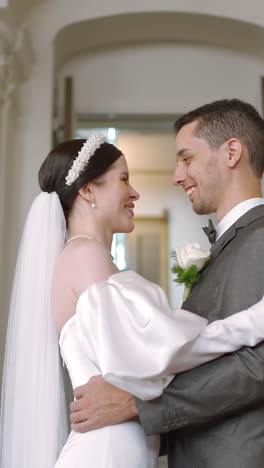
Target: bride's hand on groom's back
100 404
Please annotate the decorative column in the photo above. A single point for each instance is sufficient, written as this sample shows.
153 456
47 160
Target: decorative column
16 61
7 99
15 66
8 86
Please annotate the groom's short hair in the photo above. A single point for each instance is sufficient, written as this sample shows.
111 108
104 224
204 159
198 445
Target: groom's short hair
221 120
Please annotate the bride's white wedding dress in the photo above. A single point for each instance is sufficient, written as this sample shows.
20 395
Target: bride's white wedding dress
125 330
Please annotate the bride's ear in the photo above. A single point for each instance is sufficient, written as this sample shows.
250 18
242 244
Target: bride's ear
86 192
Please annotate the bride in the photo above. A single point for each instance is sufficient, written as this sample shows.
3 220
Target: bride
106 322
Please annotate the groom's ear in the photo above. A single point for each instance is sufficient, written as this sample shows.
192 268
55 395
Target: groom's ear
234 149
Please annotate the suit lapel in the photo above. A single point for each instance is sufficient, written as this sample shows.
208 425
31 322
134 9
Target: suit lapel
248 218
223 241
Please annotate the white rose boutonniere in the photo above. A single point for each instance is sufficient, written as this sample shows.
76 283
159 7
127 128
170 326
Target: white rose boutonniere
190 259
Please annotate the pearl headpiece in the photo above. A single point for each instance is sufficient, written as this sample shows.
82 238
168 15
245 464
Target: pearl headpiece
84 156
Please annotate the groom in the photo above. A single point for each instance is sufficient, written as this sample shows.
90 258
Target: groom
213 415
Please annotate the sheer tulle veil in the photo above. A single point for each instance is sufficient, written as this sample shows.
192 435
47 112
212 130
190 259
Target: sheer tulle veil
33 411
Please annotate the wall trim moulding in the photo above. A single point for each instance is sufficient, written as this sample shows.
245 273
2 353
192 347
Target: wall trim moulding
15 64
24 53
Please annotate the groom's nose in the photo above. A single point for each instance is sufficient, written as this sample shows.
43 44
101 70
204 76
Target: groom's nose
179 175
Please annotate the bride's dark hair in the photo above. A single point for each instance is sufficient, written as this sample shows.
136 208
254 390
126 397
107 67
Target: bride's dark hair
57 164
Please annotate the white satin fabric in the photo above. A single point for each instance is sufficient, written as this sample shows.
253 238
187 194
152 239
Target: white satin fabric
125 330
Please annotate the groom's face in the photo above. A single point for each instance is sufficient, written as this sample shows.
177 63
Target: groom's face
198 170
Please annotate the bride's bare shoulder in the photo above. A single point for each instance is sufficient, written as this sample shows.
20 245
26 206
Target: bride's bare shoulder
81 263
84 261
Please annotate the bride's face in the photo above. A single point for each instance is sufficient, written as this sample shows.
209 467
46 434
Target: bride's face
115 198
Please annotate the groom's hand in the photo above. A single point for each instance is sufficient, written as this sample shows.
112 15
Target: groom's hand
100 404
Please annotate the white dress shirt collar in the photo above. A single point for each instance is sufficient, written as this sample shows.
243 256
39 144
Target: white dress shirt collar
233 215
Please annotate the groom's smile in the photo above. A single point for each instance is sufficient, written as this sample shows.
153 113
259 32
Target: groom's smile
190 190
197 170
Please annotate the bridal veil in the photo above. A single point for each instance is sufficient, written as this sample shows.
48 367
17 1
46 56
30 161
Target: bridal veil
33 424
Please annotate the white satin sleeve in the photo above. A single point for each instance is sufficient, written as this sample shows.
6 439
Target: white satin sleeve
139 343
245 328
131 334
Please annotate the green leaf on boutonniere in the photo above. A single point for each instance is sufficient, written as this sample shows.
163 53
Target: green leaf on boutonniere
187 277
189 254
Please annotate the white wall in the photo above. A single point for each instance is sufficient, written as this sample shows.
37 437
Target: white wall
161 78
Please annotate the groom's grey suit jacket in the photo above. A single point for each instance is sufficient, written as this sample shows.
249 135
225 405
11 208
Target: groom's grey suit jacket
214 415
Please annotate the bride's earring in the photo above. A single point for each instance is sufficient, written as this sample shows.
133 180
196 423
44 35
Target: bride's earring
93 205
